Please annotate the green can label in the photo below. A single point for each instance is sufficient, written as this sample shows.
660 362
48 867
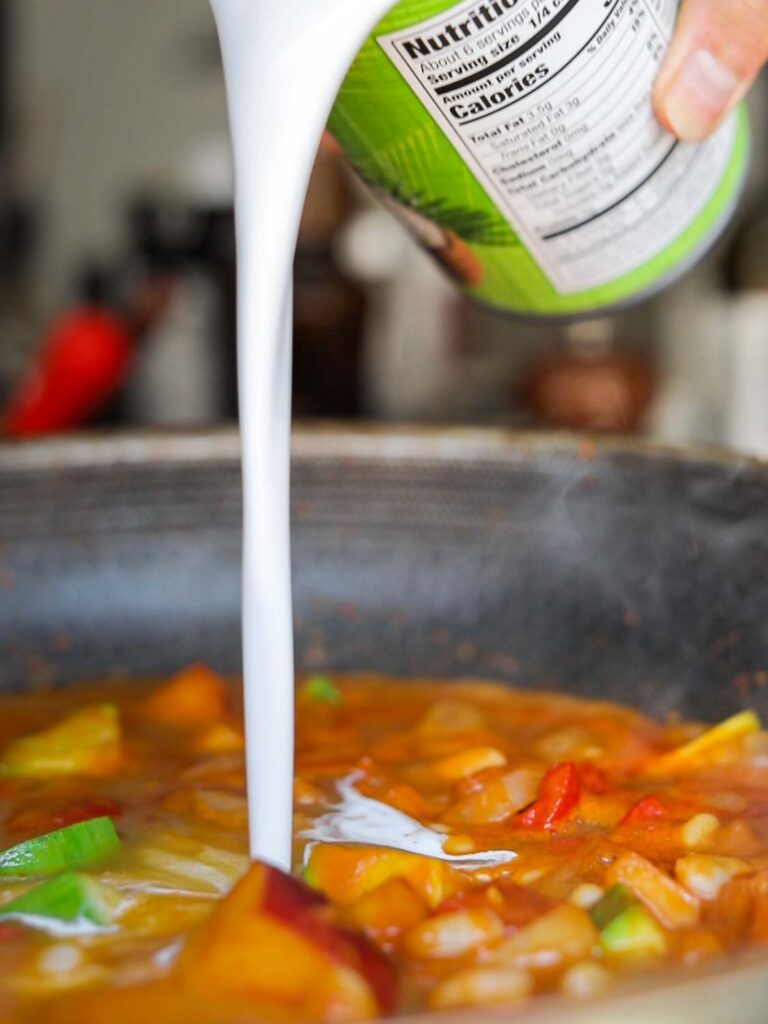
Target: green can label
518 140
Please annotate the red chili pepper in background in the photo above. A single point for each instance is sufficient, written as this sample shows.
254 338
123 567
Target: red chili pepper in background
650 808
83 362
558 794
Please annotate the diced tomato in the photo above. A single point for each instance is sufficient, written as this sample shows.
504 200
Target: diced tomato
558 794
650 808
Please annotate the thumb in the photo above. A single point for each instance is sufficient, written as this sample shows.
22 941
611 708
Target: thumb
718 50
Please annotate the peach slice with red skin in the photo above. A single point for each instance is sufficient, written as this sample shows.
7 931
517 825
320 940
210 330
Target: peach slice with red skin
275 942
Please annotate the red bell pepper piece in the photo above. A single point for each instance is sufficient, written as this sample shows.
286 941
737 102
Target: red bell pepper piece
650 808
559 793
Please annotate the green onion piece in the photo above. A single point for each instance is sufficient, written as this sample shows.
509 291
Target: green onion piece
634 931
322 689
68 897
613 903
78 846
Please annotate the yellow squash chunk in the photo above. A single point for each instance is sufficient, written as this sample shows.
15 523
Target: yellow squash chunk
345 873
221 738
668 901
387 912
468 762
693 753
705 875
498 800
562 936
88 742
699 830
446 936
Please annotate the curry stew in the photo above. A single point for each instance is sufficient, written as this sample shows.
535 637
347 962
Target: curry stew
126 892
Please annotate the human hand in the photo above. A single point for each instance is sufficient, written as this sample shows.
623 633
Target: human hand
718 50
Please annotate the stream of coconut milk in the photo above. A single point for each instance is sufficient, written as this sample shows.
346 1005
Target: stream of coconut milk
284 62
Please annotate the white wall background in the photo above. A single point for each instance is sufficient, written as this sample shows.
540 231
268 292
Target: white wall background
111 94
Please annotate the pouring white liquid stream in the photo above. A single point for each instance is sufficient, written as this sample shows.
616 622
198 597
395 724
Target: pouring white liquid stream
284 61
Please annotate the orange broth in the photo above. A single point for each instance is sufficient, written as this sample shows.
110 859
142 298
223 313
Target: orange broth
639 846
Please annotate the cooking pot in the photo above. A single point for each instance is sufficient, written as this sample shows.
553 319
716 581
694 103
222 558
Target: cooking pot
603 568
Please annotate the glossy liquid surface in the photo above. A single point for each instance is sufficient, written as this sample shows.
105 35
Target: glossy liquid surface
639 847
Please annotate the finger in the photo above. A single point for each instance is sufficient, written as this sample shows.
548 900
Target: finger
718 50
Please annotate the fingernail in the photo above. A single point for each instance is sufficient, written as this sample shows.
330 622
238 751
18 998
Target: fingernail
700 94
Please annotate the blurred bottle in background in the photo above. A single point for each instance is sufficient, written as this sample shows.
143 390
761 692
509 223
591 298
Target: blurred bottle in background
182 264
184 270
182 372
329 303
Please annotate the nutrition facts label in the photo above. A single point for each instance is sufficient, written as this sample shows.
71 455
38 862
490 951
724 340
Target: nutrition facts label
549 104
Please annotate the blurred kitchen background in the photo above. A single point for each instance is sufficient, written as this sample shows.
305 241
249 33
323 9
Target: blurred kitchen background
116 238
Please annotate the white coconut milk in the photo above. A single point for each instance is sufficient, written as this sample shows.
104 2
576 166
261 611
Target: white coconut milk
359 819
284 62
